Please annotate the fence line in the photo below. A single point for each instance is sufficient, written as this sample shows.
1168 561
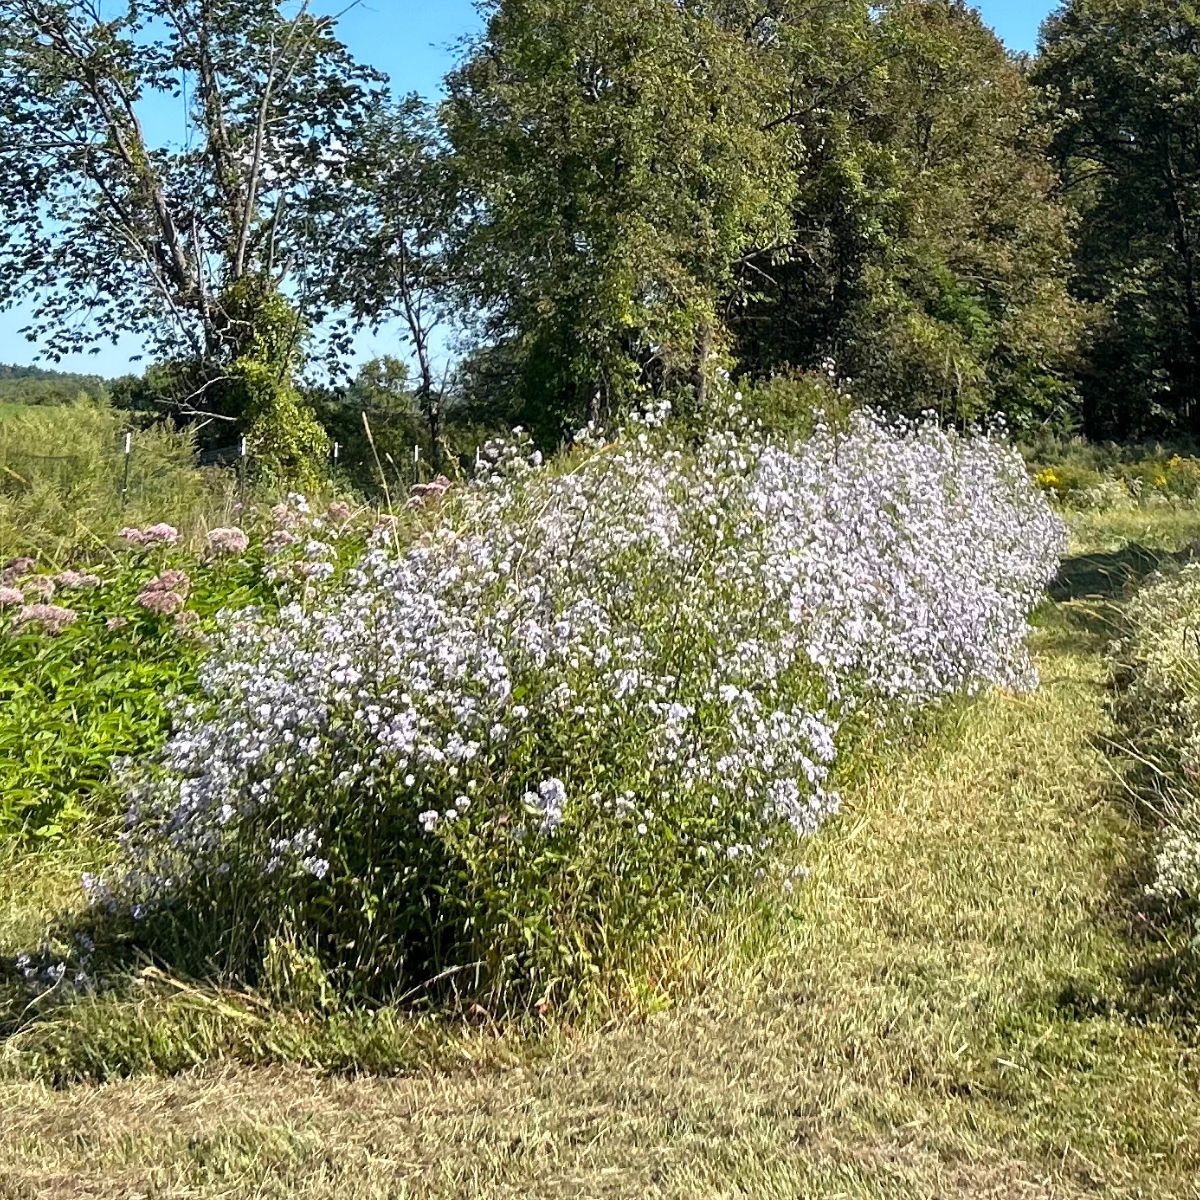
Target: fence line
128 469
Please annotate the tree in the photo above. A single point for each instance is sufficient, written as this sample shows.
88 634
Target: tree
184 246
930 252
382 391
615 165
404 207
1122 78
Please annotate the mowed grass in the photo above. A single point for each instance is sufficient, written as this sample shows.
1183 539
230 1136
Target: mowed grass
964 999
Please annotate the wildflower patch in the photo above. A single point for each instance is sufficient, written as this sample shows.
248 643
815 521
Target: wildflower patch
590 693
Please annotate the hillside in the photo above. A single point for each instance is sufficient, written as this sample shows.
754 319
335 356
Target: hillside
39 385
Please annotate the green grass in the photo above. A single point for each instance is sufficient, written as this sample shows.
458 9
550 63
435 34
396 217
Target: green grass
964 999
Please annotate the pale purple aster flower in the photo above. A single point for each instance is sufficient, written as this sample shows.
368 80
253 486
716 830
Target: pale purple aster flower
317 867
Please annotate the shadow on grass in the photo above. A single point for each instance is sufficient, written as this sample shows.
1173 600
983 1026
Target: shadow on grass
1111 575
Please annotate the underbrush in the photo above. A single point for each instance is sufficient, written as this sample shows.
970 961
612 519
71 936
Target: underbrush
1106 477
1160 661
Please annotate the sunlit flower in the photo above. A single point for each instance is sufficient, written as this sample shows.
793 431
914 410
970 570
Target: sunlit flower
161 601
50 617
42 587
79 580
228 541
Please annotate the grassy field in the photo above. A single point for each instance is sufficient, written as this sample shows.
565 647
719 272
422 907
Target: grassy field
965 999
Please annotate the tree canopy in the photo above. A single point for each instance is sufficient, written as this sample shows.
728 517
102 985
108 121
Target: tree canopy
1122 81
614 201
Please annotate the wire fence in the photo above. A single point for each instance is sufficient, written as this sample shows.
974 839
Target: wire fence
138 462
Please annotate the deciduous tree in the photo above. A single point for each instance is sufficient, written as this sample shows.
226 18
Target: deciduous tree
616 165
110 229
1122 78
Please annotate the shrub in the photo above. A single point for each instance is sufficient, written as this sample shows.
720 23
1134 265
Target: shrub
1097 476
795 405
588 695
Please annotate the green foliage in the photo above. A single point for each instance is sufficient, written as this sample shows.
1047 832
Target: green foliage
103 687
1122 85
144 238
381 392
617 160
1108 476
73 702
403 263
288 442
928 250
35 385
794 405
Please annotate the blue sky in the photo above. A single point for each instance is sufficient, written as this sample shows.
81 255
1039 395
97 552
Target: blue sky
414 42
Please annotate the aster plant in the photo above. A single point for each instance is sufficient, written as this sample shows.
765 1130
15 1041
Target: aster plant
590 693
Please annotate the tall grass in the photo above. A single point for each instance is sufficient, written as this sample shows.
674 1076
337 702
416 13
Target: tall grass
64 491
1161 704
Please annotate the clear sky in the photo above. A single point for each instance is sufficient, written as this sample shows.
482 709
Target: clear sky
414 42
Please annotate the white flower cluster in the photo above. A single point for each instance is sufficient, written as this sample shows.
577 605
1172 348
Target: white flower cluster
640 647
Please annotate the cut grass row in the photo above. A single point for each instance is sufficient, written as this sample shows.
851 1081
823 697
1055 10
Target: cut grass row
965 999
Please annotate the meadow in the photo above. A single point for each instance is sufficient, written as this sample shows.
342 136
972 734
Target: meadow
665 819
706 715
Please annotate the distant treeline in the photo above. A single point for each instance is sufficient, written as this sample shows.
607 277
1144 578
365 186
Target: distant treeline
38 385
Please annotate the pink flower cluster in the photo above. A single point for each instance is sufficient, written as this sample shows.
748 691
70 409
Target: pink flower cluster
11 595
166 593
422 493
49 616
153 535
187 623
76 580
15 568
290 512
228 541
40 586
339 512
